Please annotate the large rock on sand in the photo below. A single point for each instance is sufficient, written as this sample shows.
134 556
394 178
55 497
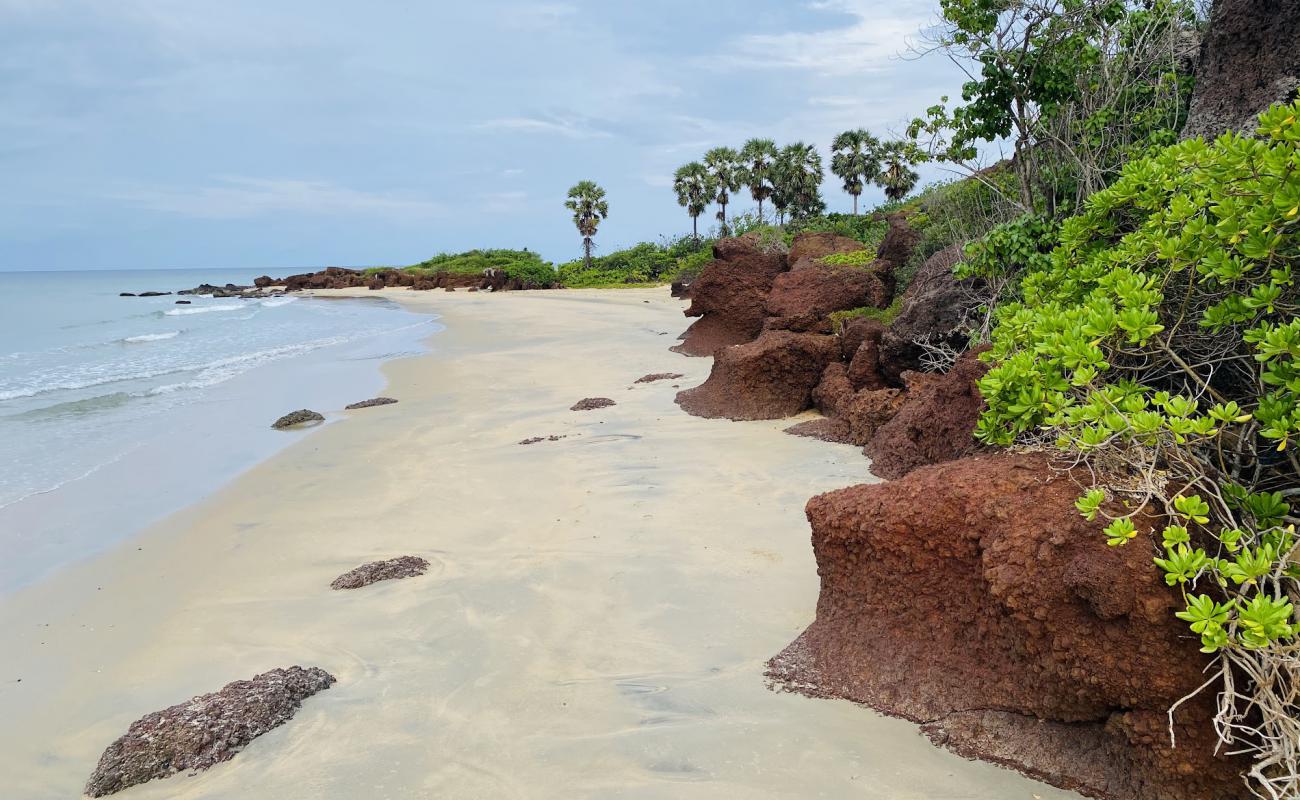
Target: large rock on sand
1250 59
729 295
972 597
206 730
769 378
933 308
934 423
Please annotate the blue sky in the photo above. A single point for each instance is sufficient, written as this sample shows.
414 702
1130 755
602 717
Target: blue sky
286 133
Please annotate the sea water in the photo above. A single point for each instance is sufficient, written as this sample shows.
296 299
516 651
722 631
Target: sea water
115 411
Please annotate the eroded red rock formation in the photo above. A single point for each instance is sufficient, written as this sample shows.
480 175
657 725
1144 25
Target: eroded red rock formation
802 299
973 598
729 295
769 378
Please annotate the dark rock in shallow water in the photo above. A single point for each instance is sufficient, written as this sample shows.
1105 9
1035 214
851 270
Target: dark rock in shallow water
374 401
153 294
183 302
206 730
591 403
375 571
300 417
126 294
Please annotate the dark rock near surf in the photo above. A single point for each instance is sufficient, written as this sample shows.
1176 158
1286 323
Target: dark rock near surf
263 281
206 730
183 302
375 571
153 294
302 416
371 403
591 404
126 294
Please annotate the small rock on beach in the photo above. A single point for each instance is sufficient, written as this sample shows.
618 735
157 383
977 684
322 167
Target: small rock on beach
374 401
375 571
592 403
659 376
293 419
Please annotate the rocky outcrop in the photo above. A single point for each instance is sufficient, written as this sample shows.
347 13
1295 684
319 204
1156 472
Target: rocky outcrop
801 299
769 378
390 570
1250 59
808 249
206 730
900 240
933 307
730 295
592 403
303 416
973 598
934 422
864 359
371 403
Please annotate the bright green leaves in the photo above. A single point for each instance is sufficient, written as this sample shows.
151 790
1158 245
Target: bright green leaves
1174 535
1264 620
1119 532
1182 564
1193 508
1207 617
1090 503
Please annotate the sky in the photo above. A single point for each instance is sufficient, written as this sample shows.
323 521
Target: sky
292 133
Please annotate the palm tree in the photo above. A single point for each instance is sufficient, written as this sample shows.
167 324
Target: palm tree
801 176
587 202
756 157
694 188
855 160
725 170
897 177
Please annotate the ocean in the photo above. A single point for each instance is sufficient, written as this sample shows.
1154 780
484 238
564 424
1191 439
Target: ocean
115 411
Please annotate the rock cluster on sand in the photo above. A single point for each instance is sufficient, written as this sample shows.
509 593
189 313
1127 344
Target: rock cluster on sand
972 596
536 439
592 403
206 730
372 402
659 376
375 571
302 416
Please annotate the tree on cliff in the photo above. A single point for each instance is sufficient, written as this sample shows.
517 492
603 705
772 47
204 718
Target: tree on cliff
757 156
797 180
587 202
855 160
897 177
725 170
694 188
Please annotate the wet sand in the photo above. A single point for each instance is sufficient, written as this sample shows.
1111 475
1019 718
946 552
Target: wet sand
594 623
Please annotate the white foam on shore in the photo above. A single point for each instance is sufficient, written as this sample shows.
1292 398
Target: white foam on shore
181 312
151 337
276 302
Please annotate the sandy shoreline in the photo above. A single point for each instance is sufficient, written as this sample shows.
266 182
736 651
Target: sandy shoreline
594 624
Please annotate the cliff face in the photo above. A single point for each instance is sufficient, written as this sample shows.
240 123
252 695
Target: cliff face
973 598
1250 59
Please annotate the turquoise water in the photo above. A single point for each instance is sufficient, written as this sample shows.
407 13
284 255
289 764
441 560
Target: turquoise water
117 410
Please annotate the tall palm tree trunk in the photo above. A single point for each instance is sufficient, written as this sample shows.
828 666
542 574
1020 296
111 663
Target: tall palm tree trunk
695 227
586 251
760 211
855 205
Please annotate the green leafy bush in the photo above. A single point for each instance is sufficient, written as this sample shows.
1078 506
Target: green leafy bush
884 315
523 265
858 258
645 263
1159 340
866 228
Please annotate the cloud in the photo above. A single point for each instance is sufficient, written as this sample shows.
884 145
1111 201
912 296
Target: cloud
503 202
238 197
569 127
873 36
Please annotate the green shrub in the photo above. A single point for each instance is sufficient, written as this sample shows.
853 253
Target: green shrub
884 315
1160 338
523 265
866 228
858 258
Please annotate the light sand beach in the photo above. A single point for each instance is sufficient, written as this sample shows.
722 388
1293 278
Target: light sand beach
594 624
